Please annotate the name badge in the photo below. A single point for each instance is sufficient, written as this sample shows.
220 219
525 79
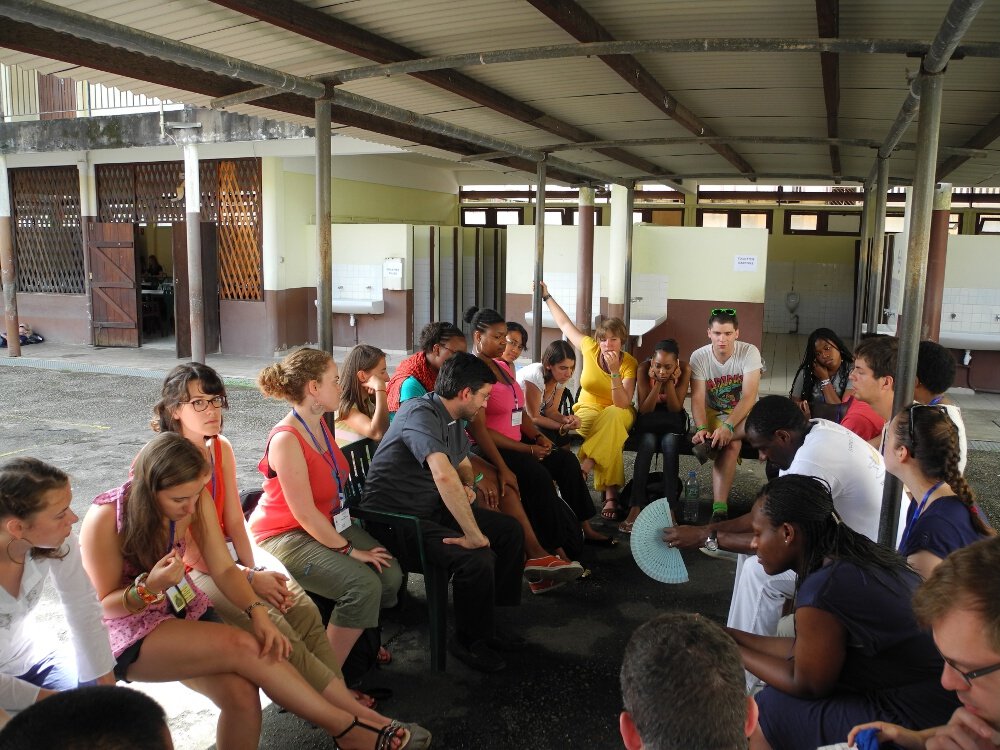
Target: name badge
180 596
515 417
342 520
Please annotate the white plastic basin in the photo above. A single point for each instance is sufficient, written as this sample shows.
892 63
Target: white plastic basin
972 341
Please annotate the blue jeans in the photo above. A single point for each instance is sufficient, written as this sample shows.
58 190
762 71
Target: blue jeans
55 671
668 444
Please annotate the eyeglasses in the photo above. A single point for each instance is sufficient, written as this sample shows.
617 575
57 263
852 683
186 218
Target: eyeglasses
515 345
723 311
200 404
909 422
975 673
448 348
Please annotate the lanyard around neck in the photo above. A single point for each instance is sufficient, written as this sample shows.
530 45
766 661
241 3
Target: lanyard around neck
917 512
335 470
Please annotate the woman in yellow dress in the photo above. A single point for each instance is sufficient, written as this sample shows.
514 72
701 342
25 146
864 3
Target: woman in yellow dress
607 384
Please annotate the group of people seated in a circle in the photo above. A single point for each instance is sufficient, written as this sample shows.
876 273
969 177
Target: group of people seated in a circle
168 581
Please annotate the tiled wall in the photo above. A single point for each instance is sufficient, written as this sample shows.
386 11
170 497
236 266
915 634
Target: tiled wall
562 286
653 291
357 281
826 297
970 310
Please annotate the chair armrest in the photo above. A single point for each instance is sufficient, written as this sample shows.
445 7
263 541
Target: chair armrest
395 519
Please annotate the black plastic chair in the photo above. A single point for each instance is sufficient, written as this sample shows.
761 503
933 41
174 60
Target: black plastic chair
403 529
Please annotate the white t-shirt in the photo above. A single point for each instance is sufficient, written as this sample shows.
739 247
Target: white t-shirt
853 469
535 374
724 382
20 647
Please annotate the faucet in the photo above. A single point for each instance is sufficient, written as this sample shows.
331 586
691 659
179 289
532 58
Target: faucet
639 299
888 313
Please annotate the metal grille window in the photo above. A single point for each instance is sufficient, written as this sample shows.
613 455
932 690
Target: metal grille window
153 193
47 235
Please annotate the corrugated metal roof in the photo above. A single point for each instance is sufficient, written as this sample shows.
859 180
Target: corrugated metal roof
738 94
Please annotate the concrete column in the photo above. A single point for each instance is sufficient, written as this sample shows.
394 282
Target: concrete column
272 227
192 217
585 262
536 297
324 236
621 223
7 262
936 258
88 213
627 315
908 330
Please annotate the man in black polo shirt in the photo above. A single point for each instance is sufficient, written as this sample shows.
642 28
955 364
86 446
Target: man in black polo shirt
422 468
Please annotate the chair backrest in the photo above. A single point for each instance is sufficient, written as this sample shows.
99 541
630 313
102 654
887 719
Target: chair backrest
249 500
359 456
567 401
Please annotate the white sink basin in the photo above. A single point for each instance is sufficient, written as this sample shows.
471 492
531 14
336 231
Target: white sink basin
880 328
359 306
973 341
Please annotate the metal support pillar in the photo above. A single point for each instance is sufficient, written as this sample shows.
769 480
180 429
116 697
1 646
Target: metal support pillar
936 258
864 260
878 246
196 285
88 214
536 298
627 317
7 263
585 262
324 237
908 330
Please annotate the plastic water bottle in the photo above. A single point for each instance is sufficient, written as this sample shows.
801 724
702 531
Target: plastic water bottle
691 498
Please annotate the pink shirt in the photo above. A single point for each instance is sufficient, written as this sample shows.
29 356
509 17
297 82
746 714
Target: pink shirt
505 398
272 515
124 631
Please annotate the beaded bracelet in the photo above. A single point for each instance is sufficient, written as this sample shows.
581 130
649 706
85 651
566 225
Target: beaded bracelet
249 610
144 593
824 383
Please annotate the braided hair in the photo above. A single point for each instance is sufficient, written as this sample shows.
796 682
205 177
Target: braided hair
807 503
934 446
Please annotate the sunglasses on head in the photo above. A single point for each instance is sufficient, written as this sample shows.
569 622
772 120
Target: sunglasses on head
909 425
723 311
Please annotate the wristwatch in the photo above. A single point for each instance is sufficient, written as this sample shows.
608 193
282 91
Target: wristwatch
712 542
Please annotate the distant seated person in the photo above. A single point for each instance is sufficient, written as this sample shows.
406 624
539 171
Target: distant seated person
822 386
960 603
543 384
364 405
91 718
936 368
516 341
858 653
153 270
417 374
725 378
663 385
674 667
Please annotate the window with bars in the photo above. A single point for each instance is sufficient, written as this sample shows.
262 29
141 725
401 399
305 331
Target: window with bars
153 193
48 243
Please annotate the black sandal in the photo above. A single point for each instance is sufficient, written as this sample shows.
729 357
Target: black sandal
383 736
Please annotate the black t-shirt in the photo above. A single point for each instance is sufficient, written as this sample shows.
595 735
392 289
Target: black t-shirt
399 479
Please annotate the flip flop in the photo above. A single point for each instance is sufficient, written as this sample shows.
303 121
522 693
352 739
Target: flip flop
625 527
384 656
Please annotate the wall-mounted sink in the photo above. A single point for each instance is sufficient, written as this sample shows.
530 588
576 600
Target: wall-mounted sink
971 341
359 306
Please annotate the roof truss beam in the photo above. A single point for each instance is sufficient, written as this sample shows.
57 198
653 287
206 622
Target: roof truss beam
828 23
989 133
327 29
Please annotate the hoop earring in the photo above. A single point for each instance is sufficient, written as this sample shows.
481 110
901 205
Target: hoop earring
10 556
317 408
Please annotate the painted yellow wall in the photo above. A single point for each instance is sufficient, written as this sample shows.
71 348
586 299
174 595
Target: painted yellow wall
972 261
800 248
355 244
561 248
370 203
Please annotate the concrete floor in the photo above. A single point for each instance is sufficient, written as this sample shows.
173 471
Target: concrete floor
562 692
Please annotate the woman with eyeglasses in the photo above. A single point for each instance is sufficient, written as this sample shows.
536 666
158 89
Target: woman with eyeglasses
162 625
858 653
922 450
607 385
192 402
364 404
417 374
517 341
